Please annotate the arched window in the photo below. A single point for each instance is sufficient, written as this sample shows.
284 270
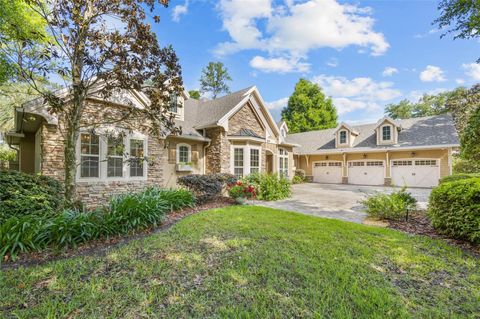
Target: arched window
184 153
283 162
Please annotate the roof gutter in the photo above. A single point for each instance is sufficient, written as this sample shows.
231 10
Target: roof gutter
346 150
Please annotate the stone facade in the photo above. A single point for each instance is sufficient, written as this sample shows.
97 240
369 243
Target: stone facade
245 118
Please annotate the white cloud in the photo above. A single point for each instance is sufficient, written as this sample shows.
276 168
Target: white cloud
460 81
472 70
432 74
357 93
179 10
426 34
293 29
389 71
278 104
279 65
333 62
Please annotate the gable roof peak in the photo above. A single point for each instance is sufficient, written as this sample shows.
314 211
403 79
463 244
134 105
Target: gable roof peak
348 127
389 119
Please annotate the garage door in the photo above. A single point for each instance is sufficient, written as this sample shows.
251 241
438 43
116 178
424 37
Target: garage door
366 172
415 173
327 172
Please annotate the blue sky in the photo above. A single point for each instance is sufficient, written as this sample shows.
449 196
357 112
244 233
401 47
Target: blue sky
365 54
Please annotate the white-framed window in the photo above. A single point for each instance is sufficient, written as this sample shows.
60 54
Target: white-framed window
282 131
111 157
184 153
238 161
137 157
115 152
342 137
89 155
386 133
283 162
254 160
173 104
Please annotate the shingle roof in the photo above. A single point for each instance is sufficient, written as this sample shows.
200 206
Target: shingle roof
423 131
203 113
245 132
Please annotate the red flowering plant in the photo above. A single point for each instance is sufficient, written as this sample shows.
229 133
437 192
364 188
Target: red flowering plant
242 190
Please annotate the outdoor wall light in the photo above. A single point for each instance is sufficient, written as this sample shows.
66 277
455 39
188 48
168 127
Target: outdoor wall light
364 155
413 154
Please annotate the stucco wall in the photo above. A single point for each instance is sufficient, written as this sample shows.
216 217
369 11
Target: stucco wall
170 173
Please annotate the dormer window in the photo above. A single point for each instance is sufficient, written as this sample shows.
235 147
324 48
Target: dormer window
386 133
343 137
282 131
173 105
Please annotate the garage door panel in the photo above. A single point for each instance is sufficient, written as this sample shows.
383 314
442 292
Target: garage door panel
366 172
327 172
415 173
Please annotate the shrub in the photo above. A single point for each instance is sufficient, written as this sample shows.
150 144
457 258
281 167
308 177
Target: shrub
394 206
454 209
461 165
242 190
301 173
457 177
7 154
24 194
207 187
297 179
124 214
269 186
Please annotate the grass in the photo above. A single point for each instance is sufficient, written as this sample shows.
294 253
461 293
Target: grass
254 262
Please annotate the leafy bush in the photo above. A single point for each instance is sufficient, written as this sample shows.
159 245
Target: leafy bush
456 177
7 154
207 187
124 214
24 194
297 179
269 186
394 206
242 190
454 209
461 165
301 173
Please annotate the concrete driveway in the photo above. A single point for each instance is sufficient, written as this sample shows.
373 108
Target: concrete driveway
336 201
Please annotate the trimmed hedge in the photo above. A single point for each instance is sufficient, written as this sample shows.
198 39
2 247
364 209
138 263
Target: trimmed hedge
24 194
454 209
457 177
207 187
124 214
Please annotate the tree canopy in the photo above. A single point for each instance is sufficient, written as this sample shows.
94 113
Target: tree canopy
214 79
194 94
470 139
460 102
309 109
98 47
460 18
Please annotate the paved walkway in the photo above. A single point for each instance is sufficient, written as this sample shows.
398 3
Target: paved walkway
336 201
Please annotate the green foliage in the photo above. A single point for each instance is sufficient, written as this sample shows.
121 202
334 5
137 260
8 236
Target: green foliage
7 154
299 176
394 206
454 209
24 194
459 17
125 213
461 165
457 177
214 79
207 187
242 190
470 139
194 94
309 109
269 187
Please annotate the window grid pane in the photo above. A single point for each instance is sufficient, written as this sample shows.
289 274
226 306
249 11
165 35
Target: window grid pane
343 137
254 161
238 162
183 154
136 162
386 133
89 159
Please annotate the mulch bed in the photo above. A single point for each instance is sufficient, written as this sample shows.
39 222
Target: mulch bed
419 224
102 246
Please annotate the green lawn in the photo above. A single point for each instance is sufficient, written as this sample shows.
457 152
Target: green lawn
253 262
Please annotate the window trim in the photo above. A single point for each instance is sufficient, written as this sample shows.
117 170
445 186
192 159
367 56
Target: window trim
80 154
114 156
284 156
340 137
246 158
391 133
103 165
177 160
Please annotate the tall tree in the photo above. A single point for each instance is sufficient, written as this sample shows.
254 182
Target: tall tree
400 110
214 79
460 18
194 94
99 47
309 109
470 139
18 24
